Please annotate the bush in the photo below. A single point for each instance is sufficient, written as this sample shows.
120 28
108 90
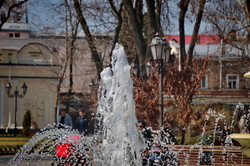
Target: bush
26 123
192 140
9 149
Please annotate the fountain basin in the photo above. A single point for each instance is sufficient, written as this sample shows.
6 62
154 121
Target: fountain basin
244 140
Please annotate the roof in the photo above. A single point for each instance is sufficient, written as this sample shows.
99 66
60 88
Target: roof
202 39
9 48
216 50
11 26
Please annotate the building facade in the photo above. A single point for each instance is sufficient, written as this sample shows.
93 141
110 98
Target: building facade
37 66
224 81
39 60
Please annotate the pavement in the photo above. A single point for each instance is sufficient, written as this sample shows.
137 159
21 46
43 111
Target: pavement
4 160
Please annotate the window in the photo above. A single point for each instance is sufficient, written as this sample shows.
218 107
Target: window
232 81
14 26
17 35
14 35
204 82
11 35
19 16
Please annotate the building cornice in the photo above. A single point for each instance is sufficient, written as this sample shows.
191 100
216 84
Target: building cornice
29 77
17 64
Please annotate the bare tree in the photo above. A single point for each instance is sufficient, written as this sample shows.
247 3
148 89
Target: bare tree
70 40
245 4
178 83
89 37
232 27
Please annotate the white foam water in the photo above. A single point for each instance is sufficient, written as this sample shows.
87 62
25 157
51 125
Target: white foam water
121 140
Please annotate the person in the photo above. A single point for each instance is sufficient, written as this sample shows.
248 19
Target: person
64 120
81 123
147 135
155 153
145 132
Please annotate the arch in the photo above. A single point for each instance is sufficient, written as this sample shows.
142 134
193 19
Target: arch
35 53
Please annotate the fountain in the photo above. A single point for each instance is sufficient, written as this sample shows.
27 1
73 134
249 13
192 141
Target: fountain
243 138
41 148
121 141
117 140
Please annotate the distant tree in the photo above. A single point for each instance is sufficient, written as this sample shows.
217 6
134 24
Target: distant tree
135 23
26 123
245 4
178 91
72 29
142 27
232 27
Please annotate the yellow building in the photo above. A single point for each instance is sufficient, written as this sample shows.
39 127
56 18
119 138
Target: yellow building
37 66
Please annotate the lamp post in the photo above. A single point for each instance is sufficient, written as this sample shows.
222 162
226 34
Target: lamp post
161 52
16 95
247 75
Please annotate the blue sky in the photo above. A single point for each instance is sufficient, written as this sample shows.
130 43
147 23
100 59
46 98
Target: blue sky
40 16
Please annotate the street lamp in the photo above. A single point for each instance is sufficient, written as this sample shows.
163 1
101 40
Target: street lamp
247 75
16 95
161 52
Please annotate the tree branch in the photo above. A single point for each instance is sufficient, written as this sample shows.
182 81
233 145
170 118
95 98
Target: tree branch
10 9
196 31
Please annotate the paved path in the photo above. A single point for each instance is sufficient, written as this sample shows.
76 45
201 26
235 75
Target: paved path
4 160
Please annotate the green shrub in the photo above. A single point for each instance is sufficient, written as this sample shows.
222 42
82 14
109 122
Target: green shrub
192 140
9 149
26 123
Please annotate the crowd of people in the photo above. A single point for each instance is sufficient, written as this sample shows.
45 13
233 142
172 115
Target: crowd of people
153 153
156 153
81 123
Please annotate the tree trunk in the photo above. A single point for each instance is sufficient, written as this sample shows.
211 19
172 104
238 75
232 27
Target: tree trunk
195 31
89 38
71 41
58 89
183 5
183 135
119 24
1 3
153 28
137 32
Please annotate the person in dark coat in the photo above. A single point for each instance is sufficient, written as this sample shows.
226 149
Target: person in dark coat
81 123
145 131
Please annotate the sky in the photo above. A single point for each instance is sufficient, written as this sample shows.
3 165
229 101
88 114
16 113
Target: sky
40 16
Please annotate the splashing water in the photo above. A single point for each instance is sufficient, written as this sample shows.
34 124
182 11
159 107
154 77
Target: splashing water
117 142
121 140
43 147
